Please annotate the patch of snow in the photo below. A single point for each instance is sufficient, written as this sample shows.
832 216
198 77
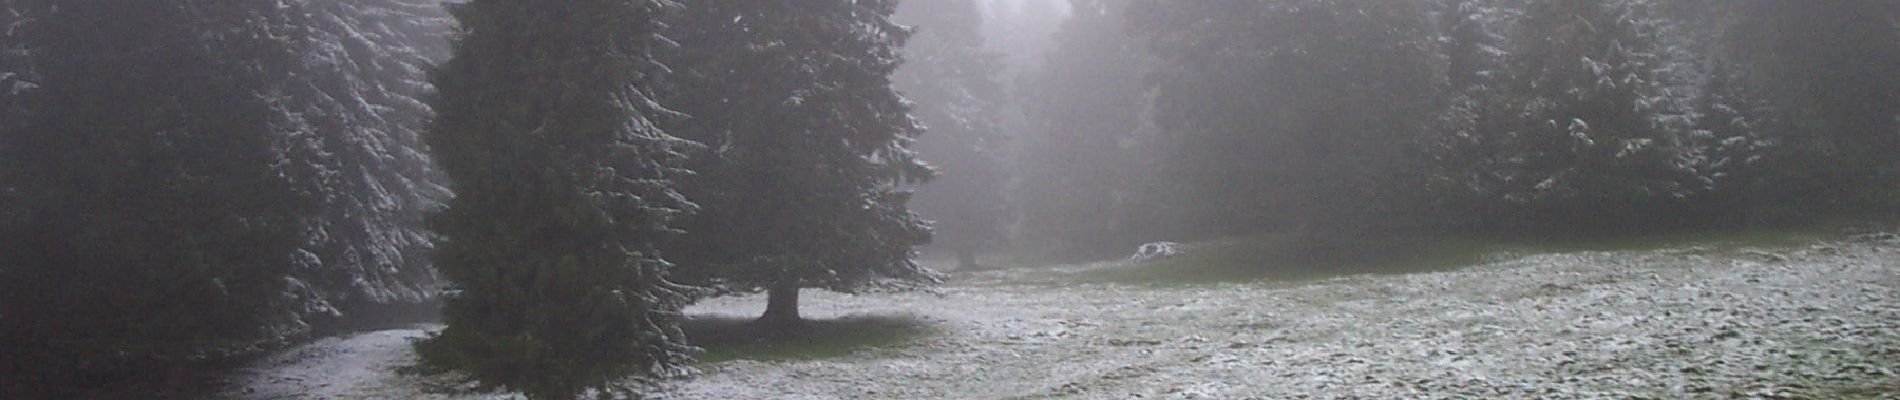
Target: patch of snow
1156 251
1812 322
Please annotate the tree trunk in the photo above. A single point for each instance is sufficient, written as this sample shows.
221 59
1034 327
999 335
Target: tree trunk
781 306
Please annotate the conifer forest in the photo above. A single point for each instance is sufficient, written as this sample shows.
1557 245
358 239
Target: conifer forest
949 199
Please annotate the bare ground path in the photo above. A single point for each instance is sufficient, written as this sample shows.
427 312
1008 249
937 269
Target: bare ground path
1819 322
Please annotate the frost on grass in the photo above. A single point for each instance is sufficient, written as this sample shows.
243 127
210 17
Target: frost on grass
1812 322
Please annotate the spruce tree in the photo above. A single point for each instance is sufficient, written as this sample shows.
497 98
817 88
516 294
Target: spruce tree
16 79
1596 140
357 152
15 67
1734 139
563 186
151 226
953 81
1464 147
807 146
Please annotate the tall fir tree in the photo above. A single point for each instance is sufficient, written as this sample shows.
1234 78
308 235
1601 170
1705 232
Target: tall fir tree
16 79
15 67
1735 135
563 187
1467 165
808 146
953 81
152 226
1596 140
357 152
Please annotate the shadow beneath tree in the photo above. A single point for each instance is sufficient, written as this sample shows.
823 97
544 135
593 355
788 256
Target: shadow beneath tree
728 338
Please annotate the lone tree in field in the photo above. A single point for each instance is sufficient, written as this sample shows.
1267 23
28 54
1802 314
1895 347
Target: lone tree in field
807 144
562 190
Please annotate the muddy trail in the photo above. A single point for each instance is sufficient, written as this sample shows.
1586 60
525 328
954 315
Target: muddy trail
1813 321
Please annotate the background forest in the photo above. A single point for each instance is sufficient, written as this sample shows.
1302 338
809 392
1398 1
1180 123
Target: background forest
188 182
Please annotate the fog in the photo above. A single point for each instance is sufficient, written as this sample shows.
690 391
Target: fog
497 199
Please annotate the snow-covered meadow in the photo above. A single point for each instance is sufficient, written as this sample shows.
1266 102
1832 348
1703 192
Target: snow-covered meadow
1818 321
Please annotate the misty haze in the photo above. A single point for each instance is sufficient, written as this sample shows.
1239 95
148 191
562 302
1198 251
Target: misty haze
949 199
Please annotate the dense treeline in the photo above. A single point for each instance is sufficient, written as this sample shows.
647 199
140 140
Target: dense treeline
186 182
1334 118
112 263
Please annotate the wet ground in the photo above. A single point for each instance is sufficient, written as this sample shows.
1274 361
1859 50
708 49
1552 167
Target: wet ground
1813 321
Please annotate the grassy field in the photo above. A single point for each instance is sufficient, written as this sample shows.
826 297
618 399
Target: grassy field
1281 257
1732 315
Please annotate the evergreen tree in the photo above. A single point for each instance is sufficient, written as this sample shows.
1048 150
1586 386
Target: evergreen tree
16 79
357 153
952 79
1734 135
1471 34
1465 148
15 69
151 224
563 187
807 143
1596 140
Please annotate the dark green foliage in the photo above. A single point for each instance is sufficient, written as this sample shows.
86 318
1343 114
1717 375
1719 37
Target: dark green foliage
562 189
16 80
1697 112
1338 117
149 222
357 152
1591 143
1734 137
1294 115
16 74
953 81
807 144
1583 129
1462 149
